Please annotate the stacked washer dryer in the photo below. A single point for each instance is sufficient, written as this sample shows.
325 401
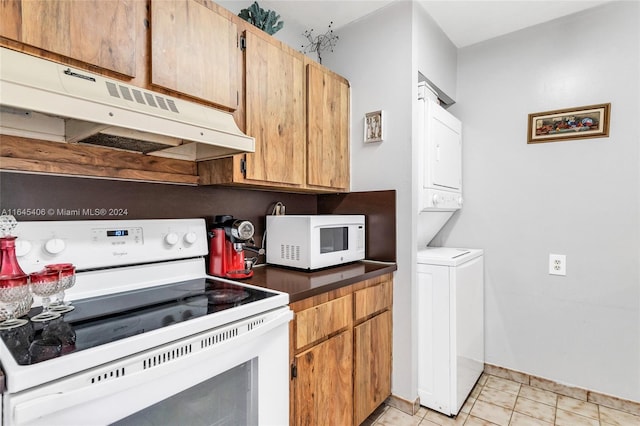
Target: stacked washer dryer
450 280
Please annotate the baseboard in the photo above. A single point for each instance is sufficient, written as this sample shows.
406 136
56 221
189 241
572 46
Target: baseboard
404 405
559 388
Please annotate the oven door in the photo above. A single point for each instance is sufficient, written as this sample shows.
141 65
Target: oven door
237 374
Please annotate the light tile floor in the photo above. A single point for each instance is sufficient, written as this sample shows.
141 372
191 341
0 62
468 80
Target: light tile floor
502 402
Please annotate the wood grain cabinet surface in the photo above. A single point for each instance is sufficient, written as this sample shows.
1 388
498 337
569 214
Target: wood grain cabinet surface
321 321
194 51
297 110
341 354
274 109
324 383
327 129
101 33
371 365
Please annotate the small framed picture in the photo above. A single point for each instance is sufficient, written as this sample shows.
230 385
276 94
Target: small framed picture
590 121
373 127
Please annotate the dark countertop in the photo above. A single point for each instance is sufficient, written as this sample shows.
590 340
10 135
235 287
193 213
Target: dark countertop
301 284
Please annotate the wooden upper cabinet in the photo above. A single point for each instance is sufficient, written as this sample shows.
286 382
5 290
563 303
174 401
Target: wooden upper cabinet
11 19
97 32
275 112
194 52
327 129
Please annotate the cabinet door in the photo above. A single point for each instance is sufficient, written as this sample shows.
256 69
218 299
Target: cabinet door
323 386
97 32
275 113
372 365
327 129
193 51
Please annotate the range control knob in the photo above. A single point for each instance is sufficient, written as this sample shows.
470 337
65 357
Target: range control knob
460 201
436 199
54 246
190 237
23 247
171 238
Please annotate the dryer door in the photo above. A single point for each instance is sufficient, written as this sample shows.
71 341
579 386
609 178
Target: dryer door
444 155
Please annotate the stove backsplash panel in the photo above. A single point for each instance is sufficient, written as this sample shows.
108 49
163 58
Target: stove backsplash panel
32 197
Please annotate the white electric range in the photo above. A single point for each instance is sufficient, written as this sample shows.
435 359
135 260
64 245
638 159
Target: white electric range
152 337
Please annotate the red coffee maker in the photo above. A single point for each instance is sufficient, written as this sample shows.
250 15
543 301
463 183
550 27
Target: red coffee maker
227 240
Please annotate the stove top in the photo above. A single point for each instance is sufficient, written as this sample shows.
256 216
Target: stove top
104 319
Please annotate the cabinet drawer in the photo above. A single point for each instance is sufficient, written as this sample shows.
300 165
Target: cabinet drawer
320 321
373 299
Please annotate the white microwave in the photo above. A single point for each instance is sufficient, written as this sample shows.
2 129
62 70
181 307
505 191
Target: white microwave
314 241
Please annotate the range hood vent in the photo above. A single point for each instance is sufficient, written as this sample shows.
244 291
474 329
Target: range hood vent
45 100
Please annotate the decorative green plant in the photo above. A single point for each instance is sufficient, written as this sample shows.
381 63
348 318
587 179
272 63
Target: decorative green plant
266 20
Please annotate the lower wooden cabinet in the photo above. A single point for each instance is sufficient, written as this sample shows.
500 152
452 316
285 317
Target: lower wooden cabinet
324 383
341 354
371 365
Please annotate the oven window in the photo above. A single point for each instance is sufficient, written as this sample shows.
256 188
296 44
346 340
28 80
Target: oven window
230 398
334 239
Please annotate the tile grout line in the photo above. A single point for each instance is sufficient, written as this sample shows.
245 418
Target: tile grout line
599 417
555 412
513 410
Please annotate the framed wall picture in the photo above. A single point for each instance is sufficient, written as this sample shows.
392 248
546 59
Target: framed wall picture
373 127
590 121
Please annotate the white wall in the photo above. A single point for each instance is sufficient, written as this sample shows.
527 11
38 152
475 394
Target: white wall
374 54
579 198
435 55
378 54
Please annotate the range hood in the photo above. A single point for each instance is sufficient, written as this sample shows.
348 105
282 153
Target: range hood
45 100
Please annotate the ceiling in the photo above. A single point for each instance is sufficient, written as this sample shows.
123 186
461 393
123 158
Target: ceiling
465 22
470 22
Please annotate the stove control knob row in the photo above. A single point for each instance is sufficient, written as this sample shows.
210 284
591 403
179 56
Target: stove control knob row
172 238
